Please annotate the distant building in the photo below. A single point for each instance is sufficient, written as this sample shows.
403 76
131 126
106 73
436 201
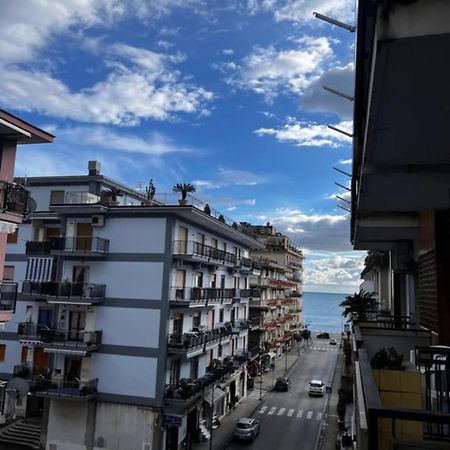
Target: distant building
277 314
13 197
132 322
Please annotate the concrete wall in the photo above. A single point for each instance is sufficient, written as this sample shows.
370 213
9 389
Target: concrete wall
41 194
125 375
25 231
123 427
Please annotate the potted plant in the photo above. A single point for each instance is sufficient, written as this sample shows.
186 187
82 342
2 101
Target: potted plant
361 304
184 189
207 209
221 219
150 191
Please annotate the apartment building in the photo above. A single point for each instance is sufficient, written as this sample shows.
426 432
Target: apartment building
277 314
400 213
13 196
131 326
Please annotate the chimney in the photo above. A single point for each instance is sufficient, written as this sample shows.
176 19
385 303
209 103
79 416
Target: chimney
94 168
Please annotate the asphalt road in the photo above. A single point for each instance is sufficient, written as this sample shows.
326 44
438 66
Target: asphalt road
292 420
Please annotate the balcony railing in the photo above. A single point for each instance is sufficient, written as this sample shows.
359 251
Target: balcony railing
74 291
72 338
186 389
201 296
202 251
8 296
189 341
241 325
13 198
77 244
78 198
74 389
249 293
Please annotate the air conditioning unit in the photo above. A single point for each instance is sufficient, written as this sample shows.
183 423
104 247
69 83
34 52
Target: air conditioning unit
98 221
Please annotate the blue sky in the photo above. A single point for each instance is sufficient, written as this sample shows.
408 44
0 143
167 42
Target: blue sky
225 95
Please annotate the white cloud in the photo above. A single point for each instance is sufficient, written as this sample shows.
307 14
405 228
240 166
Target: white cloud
228 51
345 161
267 71
301 11
227 177
317 99
306 134
140 84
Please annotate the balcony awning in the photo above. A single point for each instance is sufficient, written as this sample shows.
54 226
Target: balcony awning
7 227
65 351
218 395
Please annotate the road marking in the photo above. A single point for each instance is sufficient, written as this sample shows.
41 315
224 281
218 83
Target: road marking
309 415
261 411
281 411
290 412
319 416
272 410
300 414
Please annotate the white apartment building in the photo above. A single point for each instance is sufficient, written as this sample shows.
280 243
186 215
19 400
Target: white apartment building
131 328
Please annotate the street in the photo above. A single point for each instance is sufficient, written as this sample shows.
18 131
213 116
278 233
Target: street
291 420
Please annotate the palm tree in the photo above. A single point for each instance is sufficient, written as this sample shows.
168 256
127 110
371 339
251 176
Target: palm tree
112 193
360 304
184 189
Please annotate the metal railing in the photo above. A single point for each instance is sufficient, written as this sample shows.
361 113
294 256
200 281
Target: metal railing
201 295
13 198
83 244
72 338
63 289
191 340
8 296
241 325
202 250
53 387
77 198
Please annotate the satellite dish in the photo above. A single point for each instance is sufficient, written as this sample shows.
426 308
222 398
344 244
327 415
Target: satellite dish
17 387
31 205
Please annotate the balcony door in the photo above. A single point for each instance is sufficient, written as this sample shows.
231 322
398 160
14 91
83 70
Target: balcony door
83 239
72 368
182 240
180 284
80 274
178 325
40 361
77 323
45 318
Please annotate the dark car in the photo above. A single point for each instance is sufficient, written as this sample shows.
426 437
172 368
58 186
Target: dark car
323 335
282 384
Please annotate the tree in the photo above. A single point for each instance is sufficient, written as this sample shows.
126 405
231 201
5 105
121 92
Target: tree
184 189
207 209
111 194
360 304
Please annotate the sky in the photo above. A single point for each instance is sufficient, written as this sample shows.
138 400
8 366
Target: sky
226 95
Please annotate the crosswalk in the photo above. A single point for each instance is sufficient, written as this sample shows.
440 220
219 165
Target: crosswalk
255 393
324 349
290 412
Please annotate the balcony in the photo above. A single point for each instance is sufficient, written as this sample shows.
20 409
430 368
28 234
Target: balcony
79 245
13 198
65 292
8 296
241 325
196 342
249 293
186 390
182 297
80 198
198 252
70 390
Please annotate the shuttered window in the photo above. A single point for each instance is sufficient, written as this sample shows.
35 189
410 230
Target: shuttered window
39 269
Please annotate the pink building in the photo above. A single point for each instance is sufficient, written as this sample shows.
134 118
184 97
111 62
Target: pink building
13 197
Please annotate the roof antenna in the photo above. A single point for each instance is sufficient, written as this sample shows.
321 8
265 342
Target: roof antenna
338 23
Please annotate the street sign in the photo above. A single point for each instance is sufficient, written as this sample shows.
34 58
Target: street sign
328 390
173 420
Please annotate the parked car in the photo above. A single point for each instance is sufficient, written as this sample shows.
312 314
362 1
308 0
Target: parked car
333 341
282 384
323 335
316 387
247 429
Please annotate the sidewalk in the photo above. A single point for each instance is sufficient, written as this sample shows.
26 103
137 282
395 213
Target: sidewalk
223 435
327 440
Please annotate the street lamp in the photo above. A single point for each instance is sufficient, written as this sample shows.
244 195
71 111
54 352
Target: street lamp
261 378
211 416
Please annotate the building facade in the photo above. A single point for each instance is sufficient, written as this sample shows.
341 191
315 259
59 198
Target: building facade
13 196
131 326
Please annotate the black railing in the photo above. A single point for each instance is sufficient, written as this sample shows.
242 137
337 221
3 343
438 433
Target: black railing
82 244
186 389
8 296
246 262
205 251
53 387
30 330
241 325
62 289
13 198
187 341
211 293
72 338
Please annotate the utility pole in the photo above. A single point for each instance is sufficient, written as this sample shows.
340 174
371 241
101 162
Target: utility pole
286 358
261 376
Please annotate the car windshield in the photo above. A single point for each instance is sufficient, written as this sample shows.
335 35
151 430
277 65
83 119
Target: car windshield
244 426
280 380
318 385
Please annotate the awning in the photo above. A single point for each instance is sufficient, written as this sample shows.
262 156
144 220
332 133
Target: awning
218 394
7 227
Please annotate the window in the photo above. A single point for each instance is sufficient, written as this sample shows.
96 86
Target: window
221 316
174 371
245 283
39 269
13 237
2 352
222 282
196 320
214 243
224 246
56 197
8 273
212 280
193 373
219 351
200 238
198 279
24 356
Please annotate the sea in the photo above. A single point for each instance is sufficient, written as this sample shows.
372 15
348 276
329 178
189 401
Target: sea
321 312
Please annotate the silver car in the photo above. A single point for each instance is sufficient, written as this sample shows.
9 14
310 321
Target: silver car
247 429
